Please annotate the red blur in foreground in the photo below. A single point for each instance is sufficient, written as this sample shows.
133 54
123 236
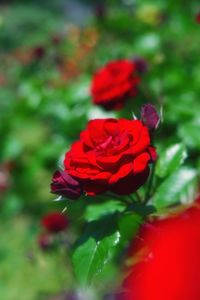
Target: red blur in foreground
171 266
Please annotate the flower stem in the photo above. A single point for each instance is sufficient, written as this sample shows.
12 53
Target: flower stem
118 198
150 183
139 198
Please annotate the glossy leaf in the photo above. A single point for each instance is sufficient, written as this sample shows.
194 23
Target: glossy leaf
179 187
95 249
129 225
170 160
96 211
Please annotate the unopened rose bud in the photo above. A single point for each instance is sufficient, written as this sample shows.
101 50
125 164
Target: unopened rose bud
55 222
141 64
65 185
149 116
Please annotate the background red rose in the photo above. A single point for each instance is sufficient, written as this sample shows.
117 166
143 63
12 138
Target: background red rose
113 84
111 155
55 222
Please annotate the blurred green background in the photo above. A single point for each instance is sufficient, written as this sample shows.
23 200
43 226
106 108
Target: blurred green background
48 53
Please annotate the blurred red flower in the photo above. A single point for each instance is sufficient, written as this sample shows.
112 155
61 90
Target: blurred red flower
55 222
170 269
113 84
111 155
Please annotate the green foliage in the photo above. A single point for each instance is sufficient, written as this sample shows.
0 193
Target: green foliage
189 132
170 160
129 225
24 267
95 249
180 186
96 211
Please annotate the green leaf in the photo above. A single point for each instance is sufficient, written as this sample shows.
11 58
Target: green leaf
96 248
170 160
129 225
96 211
181 187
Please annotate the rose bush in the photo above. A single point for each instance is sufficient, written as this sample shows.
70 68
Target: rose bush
113 84
111 155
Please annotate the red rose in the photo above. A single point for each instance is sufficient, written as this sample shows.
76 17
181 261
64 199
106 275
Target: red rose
111 155
113 84
55 222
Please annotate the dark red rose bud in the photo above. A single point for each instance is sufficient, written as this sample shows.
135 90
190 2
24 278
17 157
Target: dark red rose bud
38 52
198 18
141 64
149 116
65 185
55 222
45 241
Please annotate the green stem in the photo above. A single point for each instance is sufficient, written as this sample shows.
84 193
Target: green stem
130 197
118 198
150 183
139 198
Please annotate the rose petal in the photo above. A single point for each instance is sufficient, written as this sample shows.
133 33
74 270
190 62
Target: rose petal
123 171
140 162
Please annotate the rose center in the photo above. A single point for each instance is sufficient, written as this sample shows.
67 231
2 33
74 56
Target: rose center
106 147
